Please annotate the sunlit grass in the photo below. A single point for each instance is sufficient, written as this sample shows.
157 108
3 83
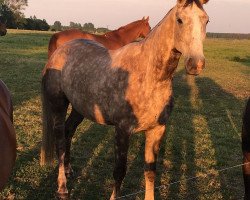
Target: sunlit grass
203 134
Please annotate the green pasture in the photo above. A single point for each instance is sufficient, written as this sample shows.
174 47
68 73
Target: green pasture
202 139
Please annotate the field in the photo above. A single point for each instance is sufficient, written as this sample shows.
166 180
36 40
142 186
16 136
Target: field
202 139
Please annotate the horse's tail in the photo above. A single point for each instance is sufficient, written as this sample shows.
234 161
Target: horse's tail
52 45
246 149
48 141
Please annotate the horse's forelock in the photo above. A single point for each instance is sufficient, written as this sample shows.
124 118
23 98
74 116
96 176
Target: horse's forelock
186 3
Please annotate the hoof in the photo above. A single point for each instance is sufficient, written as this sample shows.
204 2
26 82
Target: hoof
62 195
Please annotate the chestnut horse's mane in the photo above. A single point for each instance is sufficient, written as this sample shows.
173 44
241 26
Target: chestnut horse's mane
130 25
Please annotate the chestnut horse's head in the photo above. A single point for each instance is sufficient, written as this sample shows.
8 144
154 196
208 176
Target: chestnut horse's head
145 27
190 31
3 29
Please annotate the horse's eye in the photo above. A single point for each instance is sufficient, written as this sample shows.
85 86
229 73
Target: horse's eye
179 21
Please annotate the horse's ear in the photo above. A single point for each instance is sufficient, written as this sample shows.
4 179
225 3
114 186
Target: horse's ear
204 1
181 3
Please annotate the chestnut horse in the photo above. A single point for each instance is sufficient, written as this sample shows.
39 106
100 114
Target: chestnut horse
3 29
246 149
130 88
7 135
111 40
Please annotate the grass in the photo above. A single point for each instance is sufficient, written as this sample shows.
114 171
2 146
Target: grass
203 133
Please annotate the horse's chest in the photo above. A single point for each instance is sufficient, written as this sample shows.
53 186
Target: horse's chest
151 106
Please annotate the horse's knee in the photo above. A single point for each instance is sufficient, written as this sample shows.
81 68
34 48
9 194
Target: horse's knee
149 171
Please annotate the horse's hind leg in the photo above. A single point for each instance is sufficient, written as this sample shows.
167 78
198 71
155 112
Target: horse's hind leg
152 144
121 151
55 106
71 124
246 150
59 115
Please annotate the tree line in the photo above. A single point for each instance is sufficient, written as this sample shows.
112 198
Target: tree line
238 36
11 13
88 27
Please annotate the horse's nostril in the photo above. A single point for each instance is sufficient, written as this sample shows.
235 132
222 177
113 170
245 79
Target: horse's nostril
201 64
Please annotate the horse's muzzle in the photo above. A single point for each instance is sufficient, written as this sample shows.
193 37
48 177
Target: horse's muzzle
194 66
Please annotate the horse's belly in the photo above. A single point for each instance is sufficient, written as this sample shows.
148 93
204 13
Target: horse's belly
99 95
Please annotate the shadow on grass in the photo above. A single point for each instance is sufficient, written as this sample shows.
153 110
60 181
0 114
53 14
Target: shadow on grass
178 148
134 179
223 113
244 61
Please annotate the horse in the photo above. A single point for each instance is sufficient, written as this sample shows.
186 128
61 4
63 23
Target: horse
111 40
7 135
129 88
246 149
3 29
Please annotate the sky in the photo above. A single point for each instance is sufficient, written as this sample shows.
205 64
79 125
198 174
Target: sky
226 16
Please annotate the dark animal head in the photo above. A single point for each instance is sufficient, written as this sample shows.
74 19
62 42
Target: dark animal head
3 29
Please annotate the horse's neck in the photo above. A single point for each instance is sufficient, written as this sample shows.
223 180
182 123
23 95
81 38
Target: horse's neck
127 34
158 48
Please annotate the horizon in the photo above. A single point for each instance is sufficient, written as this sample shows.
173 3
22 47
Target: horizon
113 14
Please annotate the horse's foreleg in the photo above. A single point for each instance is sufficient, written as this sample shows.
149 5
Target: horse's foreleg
121 151
246 150
246 174
71 124
153 140
246 162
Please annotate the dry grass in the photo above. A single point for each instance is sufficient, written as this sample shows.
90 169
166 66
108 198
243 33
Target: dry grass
203 133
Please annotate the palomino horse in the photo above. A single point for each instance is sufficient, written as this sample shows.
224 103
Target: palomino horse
7 135
246 149
130 88
111 40
3 29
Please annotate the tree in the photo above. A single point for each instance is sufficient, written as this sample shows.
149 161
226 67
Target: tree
33 23
11 12
102 30
57 26
89 27
7 17
75 25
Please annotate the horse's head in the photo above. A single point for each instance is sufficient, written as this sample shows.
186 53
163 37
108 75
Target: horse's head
3 29
190 31
145 27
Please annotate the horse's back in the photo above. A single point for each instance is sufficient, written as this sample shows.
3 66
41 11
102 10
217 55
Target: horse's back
60 38
7 135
